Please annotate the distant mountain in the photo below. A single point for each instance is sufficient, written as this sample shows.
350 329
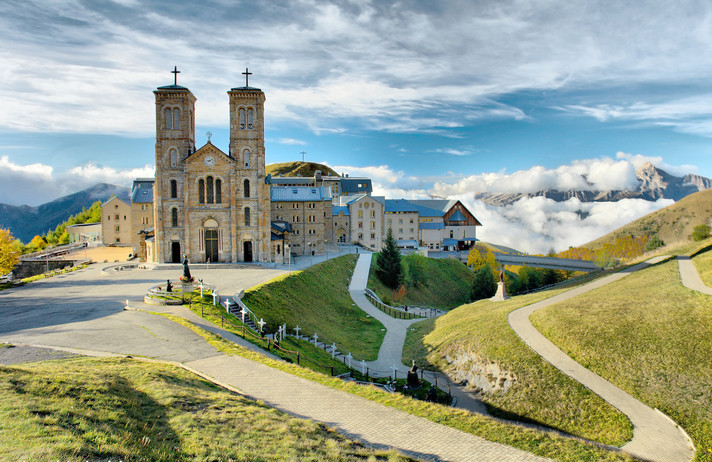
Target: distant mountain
25 222
305 169
654 184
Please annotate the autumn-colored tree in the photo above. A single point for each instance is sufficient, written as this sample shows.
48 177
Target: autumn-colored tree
37 243
480 256
9 252
399 294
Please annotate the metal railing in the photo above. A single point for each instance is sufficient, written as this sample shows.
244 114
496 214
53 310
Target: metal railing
399 312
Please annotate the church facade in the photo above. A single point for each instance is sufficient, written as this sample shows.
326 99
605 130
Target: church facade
208 204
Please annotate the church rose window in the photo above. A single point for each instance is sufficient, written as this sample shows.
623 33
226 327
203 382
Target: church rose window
218 191
201 191
210 191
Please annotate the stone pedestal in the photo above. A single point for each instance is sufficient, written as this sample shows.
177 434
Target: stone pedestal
187 288
501 293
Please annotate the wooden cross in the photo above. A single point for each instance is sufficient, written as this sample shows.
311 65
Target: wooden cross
247 75
175 73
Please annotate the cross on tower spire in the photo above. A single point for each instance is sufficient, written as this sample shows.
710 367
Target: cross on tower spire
175 73
247 75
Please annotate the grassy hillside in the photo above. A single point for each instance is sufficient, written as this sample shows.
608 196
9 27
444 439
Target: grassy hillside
648 335
540 394
318 300
447 284
120 409
671 224
305 169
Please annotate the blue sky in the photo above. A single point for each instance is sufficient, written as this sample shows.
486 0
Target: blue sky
446 97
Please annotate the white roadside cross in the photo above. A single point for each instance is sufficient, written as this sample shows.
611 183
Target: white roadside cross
333 350
215 298
316 337
201 289
349 357
261 323
297 329
284 331
243 313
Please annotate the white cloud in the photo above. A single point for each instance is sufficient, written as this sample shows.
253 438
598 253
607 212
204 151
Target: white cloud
36 184
591 174
291 141
537 225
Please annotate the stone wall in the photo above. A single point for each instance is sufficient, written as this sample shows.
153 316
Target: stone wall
32 268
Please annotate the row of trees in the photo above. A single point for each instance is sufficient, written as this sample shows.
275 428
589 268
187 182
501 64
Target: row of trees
59 235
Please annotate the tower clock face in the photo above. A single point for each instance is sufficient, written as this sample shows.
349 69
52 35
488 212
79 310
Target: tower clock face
209 161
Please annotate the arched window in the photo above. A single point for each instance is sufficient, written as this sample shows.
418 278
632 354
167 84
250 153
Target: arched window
246 188
246 155
174 157
201 191
174 189
168 117
176 119
242 118
174 217
249 119
247 216
218 191
209 188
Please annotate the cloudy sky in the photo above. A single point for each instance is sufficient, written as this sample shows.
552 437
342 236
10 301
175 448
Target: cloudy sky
448 97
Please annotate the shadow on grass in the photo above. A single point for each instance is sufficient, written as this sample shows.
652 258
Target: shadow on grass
97 418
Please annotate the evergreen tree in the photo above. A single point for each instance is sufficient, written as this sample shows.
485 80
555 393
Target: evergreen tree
388 262
484 285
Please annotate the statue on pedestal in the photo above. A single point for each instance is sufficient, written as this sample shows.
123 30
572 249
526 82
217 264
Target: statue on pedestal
186 271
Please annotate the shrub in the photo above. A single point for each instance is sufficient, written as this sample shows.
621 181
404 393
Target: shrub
483 286
653 243
700 233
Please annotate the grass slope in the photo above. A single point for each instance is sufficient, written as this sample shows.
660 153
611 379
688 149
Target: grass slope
650 336
671 224
542 394
317 299
448 284
703 263
305 169
537 442
120 409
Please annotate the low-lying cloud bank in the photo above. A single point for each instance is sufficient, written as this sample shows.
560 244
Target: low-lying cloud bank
534 225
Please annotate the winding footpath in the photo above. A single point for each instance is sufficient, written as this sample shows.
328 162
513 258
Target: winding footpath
655 436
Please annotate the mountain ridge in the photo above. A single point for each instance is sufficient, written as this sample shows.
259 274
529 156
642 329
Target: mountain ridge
25 222
654 183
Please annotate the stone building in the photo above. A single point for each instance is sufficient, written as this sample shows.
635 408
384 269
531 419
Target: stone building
141 213
308 211
208 204
115 222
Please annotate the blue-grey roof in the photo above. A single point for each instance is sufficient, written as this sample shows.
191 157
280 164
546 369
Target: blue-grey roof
431 225
276 237
356 185
400 205
340 208
449 241
142 191
246 88
281 226
172 87
299 194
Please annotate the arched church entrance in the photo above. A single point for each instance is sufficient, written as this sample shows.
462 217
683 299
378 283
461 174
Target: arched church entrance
175 252
247 250
211 240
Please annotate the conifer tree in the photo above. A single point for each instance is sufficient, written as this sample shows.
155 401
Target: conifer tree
388 262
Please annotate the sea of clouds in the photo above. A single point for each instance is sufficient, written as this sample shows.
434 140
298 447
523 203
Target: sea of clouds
534 225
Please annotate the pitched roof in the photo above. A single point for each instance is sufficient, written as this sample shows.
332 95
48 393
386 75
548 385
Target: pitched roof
356 185
340 208
142 191
299 194
457 216
439 225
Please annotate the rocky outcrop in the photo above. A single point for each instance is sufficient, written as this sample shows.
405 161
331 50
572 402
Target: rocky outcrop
478 374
